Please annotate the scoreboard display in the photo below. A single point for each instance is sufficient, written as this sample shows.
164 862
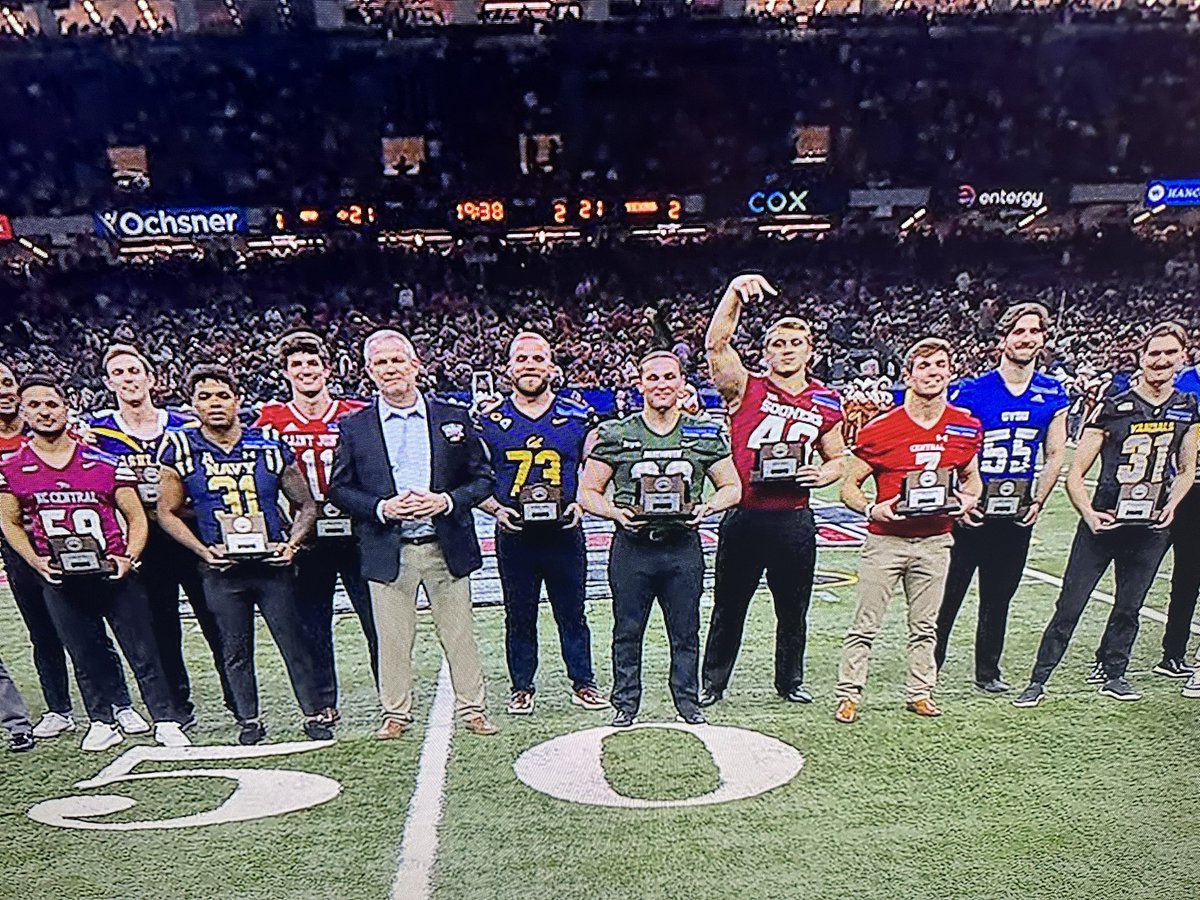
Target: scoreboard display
574 211
349 216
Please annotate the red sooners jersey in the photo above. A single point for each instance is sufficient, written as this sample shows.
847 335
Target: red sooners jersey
313 440
768 415
11 444
894 445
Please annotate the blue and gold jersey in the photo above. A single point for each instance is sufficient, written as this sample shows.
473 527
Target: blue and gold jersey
1014 426
546 450
243 481
109 434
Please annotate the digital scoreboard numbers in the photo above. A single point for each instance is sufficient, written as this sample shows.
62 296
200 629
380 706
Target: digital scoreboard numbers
351 216
580 211
653 210
480 211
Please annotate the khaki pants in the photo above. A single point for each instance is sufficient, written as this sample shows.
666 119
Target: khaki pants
920 565
395 609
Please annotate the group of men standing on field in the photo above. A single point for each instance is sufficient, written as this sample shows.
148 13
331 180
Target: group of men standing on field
106 520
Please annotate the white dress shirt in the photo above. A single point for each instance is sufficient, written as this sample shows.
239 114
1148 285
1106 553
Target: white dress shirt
406 438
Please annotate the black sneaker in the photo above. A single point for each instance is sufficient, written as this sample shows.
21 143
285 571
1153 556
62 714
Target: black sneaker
624 719
1097 675
1119 689
994 686
252 733
315 729
189 724
22 742
798 694
1031 696
708 697
695 717
1173 668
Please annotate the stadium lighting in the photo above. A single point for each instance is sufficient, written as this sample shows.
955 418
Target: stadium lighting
93 15
148 15
1147 214
33 248
913 219
1032 217
235 14
13 22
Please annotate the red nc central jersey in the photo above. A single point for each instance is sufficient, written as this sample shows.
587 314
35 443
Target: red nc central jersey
314 440
767 415
894 445
78 499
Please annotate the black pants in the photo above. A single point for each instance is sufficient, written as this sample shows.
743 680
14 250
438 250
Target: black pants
79 607
232 595
317 570
1185 576
784 545
1137 552
998 549
49 654
168 566
557 558
639 571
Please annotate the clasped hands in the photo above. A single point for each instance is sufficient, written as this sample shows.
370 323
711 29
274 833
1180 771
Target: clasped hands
411 505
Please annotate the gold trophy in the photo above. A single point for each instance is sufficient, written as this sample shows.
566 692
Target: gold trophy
244 536
332 522
780 462
540 503
1137 503
929 492
79 554
1005 498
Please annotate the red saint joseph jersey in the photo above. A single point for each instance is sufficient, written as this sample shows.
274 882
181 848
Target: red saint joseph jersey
78 499
768 415
894 445
313 440
13 443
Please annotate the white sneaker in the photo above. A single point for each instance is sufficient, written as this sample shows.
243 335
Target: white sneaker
130 722
101 736
169 734
1191 689
52 725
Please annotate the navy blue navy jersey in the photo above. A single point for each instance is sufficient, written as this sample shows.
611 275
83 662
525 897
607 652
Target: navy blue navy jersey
1141 441
1014 426
546 450
244 481
109 434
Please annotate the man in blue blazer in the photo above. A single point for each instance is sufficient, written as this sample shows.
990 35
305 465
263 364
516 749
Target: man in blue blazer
410 470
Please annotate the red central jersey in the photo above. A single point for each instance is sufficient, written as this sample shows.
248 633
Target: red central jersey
314 440
768 415
76 500
894 445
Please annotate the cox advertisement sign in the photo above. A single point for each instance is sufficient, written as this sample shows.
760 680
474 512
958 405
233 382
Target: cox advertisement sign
1173 193
809 200
196 223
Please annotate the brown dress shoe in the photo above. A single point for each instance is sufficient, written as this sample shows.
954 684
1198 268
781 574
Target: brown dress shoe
847 712
392 729
481 725
923 707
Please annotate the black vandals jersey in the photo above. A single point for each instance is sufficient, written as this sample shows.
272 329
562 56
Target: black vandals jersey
1141 442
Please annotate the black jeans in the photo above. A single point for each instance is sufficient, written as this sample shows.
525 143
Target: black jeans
317 570
49 654
79 607
557 558
1137 552
1185 576
671 571
168 566
997 549
232 595
784 545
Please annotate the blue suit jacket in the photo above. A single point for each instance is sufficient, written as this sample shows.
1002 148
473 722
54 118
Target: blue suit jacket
362 476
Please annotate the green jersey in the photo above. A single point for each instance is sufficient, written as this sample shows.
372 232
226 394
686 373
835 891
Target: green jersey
633 450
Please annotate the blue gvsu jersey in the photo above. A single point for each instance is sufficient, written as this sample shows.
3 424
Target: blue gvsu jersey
547 450
109 435
1014 427
242 482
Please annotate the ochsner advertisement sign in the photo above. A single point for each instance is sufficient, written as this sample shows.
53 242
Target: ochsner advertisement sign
196 223
1173 193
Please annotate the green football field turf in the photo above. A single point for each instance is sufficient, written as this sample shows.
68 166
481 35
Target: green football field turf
1082 797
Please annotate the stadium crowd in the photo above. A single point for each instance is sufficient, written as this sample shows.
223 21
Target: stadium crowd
623 110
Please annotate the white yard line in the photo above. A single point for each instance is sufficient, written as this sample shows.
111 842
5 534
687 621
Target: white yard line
1152 614
418 849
